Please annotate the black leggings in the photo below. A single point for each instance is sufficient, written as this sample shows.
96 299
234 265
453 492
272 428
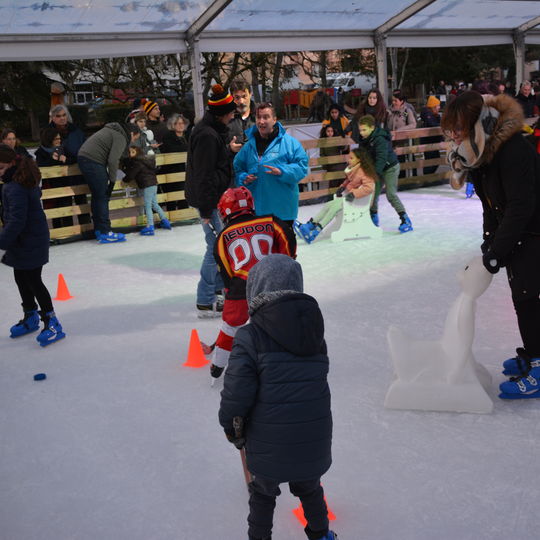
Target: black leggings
528 316
31 288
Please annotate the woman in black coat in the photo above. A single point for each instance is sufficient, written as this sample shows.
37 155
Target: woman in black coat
24 243
488 145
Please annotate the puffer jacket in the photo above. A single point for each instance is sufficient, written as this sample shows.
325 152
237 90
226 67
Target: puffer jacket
508 185
25 235
141 169
358 182
273 194
277 381
379 146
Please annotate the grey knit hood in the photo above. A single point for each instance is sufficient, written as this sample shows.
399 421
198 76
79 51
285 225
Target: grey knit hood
274 276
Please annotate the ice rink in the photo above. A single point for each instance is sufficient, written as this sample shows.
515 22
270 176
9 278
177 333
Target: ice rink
122 442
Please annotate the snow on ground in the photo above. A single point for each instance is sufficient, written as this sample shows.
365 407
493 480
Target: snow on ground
121 442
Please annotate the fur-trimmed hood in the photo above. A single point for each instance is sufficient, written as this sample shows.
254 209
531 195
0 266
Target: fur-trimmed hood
510 122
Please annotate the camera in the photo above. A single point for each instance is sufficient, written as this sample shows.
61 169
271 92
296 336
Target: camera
59 150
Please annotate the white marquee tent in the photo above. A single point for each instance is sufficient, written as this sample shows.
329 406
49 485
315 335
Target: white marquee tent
67 29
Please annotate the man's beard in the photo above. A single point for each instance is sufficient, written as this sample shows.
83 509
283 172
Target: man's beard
242 109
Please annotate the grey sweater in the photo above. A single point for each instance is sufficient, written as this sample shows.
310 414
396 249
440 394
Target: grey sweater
106 147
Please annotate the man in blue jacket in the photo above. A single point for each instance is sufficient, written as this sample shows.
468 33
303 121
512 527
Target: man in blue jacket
271 164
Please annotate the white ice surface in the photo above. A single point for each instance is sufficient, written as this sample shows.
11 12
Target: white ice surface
122 442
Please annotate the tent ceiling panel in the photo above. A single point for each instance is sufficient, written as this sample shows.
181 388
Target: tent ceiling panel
63 29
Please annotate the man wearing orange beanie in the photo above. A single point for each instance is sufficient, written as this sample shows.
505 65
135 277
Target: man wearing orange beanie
431 117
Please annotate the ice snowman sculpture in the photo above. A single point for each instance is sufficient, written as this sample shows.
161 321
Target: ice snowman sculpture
443 375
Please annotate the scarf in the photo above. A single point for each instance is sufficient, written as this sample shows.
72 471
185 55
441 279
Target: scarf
469 154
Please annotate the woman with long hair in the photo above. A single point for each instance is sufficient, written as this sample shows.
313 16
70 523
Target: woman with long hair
24 245
488 148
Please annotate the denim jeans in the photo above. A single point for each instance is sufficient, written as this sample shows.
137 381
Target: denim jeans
211 280
97 178
151 205
262 500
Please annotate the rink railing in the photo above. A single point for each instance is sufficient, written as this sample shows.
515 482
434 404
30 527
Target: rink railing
126 208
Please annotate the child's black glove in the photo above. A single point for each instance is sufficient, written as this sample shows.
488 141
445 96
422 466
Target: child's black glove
349 197
339 192
239 442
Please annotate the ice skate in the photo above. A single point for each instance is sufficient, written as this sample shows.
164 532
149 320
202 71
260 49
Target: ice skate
330 536
29 323
469 190
147 231
406 224
523 387
208 311
519 365
110 237
374 218
165 224
307 231
52 330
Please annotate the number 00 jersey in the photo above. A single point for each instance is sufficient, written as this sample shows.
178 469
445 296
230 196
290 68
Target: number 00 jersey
244 242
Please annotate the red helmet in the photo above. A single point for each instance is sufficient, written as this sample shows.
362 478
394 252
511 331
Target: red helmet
235 202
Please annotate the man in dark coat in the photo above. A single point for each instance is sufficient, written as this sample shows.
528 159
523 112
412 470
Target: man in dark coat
208 175
276 383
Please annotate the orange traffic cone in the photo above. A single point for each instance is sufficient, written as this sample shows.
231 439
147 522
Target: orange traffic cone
62 292
299 513
195 357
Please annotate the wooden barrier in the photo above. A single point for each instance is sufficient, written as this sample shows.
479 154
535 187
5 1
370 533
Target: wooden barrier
126 208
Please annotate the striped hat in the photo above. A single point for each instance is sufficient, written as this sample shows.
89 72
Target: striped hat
149 105
220 101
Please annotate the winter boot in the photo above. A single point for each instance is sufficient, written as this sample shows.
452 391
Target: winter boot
110 237
308 231
406 224
523 387
469 190
519 365
147 231
216 371
30 323
52 329
374 218
165 224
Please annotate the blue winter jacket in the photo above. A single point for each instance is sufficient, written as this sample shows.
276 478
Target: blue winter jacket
25 235
277 195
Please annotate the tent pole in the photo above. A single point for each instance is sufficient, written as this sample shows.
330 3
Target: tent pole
379 40
519 55
195 61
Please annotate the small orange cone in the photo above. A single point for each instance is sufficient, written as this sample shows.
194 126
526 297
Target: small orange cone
62 292
195 357
299 513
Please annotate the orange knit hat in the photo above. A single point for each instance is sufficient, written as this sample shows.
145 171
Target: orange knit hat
432 101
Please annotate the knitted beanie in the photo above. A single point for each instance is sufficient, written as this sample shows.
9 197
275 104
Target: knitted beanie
149 105
432 101
220 101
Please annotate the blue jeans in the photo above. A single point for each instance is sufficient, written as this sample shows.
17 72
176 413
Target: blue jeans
211 280
97 178
151 205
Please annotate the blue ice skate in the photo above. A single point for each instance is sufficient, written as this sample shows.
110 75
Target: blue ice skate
165 224
147 231
307 231
469 190
330 536
406 224
518 366
52 330
29 323
111 237
374 218
525 387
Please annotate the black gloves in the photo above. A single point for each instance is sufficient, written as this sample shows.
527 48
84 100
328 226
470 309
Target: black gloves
349 197
239 442
491 262
339 192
